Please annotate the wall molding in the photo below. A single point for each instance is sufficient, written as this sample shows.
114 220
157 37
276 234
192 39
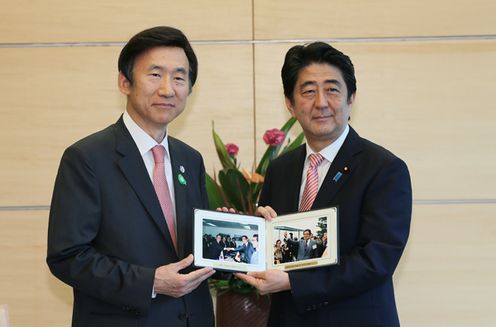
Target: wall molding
393 39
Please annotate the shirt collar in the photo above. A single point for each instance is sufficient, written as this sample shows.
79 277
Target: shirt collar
143 141
330 152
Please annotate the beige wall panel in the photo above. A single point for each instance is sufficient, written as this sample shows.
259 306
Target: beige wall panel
33 295
446 275
101 21
52 97
223 95
430 103
280 19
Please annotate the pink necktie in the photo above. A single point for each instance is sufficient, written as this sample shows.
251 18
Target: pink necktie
312 184
162 190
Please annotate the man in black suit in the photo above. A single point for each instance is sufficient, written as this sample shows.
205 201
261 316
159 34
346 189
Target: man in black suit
216 248
370 186
123 246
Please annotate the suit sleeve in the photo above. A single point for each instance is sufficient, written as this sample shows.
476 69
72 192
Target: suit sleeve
75 217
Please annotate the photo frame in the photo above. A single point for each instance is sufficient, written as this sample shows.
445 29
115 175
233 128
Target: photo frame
235 242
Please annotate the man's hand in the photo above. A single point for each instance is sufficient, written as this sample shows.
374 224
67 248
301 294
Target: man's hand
169 281
269 281
226 209
267 212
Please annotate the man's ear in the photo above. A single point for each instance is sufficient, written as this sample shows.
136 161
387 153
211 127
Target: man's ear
124 84
290 106
351 99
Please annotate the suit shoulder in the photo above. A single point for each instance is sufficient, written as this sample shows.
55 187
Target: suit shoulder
184 147
379 154
290 156
96 139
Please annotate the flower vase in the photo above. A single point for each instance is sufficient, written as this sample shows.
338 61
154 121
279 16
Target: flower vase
239 310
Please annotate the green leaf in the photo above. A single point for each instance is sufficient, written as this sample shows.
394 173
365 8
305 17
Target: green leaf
222 286
215 193
224 158
293 145
255 192
269 154
287 125
236 188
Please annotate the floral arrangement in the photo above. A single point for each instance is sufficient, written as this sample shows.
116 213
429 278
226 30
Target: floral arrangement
236 187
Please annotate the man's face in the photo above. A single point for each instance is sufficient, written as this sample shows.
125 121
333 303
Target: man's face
320 104
159 90
254 242
218 238
244 240
306 235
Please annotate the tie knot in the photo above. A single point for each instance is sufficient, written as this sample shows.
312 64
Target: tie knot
158 153
315 159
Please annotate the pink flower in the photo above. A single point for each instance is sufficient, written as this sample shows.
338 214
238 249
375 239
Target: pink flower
274 137
232 149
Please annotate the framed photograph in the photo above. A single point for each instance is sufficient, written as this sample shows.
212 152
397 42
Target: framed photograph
234 242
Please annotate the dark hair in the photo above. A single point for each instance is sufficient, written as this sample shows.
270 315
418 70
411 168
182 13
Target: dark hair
255 236
307 230
160 36
300 56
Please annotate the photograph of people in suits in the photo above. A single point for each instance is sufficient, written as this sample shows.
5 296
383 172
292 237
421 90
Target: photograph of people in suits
213 249
244 251
224 247
121 218
306 248
295 241
336 167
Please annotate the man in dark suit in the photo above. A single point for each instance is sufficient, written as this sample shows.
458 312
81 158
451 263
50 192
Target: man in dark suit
216 248
306 247
245 249
120 227
370 186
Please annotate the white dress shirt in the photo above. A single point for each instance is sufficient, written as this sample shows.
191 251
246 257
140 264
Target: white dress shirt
329 153
145 143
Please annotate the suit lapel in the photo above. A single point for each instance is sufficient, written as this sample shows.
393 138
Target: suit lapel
134 170
180 172
339 172
294 184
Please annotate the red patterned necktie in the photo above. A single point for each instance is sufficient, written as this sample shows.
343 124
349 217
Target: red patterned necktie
162 190
312 184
